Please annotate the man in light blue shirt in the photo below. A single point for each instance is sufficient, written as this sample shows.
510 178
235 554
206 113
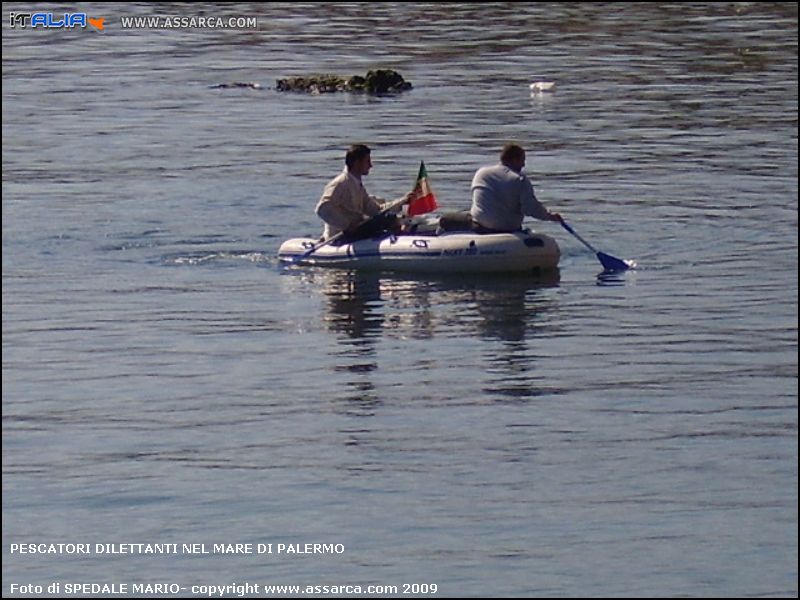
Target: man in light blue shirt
502 195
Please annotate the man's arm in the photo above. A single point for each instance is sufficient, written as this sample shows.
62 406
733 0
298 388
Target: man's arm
531 205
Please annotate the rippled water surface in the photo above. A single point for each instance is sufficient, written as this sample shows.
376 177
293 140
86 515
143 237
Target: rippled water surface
166 380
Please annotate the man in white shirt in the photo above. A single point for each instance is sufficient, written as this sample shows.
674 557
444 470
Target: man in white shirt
502 195
345 205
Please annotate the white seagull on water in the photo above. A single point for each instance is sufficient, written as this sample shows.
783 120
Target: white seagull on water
537 87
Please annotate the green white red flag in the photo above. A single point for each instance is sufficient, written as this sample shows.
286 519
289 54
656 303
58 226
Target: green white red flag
424 200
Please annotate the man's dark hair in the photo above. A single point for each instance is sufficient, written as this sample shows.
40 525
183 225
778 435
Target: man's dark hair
355 153
511 152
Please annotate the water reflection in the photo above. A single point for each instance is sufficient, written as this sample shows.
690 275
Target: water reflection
364 306
509 313
353 306
616 278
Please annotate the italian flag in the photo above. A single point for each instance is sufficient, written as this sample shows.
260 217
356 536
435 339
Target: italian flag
424 200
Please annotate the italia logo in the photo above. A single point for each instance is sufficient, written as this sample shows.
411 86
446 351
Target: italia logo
48 20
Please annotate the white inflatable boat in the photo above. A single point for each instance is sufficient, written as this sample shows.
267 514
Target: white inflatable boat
449 252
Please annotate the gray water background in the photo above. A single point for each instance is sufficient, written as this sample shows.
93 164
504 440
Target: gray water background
166 380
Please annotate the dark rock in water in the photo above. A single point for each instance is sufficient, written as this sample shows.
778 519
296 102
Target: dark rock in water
356 82
385 81
237 84
378 82
313 84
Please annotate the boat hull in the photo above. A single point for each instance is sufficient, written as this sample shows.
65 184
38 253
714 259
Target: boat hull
453 252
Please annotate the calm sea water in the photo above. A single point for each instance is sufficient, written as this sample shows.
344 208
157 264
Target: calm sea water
165 380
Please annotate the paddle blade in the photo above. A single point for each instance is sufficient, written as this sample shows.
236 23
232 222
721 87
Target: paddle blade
612 263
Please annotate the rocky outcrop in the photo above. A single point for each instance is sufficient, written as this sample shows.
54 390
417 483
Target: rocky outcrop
237 84
377 82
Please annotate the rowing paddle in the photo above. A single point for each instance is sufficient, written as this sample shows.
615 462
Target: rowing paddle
610 263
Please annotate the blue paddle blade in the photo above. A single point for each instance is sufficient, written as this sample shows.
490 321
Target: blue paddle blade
612 263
